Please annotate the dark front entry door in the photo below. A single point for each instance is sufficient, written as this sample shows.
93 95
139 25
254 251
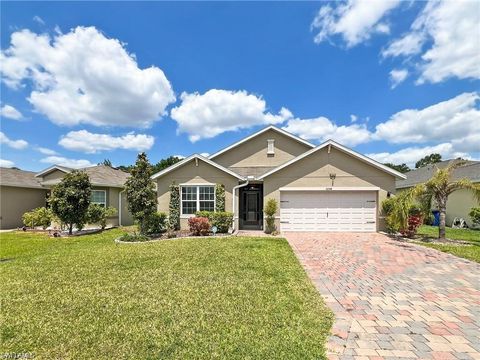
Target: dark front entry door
251 207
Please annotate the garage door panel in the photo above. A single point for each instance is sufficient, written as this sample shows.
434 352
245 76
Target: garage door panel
353 211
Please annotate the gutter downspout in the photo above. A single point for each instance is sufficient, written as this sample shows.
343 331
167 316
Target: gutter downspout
234 191
120 207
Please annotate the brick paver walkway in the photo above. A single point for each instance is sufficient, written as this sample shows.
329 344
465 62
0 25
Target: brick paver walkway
391 299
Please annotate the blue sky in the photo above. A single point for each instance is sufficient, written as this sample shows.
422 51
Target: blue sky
86 81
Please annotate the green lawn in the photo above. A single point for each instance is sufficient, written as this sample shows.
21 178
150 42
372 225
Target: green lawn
471 252
86 297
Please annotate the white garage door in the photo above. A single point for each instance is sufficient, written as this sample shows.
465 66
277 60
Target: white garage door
333 211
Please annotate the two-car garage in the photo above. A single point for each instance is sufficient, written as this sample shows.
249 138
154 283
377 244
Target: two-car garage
328 210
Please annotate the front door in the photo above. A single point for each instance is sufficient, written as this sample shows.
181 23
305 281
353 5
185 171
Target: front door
251 207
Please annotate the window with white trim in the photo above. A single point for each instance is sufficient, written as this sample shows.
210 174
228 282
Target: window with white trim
197 198
99 197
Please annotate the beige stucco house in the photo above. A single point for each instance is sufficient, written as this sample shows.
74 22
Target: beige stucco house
460 202
22 191
328 187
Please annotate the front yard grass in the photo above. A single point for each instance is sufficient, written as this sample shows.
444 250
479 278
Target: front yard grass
471 251
87 297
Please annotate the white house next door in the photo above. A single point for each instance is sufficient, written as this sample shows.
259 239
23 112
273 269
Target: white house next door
334 211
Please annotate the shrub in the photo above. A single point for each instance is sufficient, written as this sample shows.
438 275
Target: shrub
199 226
270 210
402 215
174 207
134 238
71 198
99 215
38 217
475 215
156 223
219 198
387 209
222 219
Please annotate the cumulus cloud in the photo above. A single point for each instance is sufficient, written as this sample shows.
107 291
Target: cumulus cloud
410 155
15 144
446 121
91 143
323 129
448 30
6 163
207 115
355 21
46 151
84 77
10 112
60 160
397 76
353 118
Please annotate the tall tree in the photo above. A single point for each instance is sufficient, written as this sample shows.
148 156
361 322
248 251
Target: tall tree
164 163
403 168
106 162
427 160
140 191
70 199
439 188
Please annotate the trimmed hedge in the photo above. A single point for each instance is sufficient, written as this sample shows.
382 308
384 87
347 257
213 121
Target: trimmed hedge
199 226
223 220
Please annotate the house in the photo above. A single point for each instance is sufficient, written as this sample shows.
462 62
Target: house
328 187
461 201
22 191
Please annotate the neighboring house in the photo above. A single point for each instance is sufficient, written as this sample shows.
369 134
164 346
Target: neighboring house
460 202
318 188
22 191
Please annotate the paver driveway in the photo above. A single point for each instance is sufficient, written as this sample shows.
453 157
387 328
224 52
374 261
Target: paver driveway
393 299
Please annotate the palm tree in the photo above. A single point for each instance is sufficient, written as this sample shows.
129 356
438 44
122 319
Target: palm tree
439 188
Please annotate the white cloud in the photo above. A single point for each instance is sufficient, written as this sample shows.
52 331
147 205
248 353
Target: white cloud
451 27
353 118
46 151
38 20
84 77
15 144
410 155
60 160
10 112
323 129
355 21
397 76
204 116
205 154
6 163
180 156
88 142
447 121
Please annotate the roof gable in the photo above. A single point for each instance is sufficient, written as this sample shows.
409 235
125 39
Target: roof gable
271 127
193 157
54 168
341 148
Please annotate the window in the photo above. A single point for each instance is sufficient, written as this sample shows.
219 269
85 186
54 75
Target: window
271 147
99 197
197 198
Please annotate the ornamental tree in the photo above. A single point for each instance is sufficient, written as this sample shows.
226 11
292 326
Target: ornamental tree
70 199
140 191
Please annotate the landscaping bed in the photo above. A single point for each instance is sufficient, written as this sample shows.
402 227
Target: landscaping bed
84 298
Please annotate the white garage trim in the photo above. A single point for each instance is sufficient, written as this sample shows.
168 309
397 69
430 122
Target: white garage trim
331 188
339 211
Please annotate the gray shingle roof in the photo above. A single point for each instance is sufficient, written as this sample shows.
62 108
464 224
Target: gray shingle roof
19 178
470 170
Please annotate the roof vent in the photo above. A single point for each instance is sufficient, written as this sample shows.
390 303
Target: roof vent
270 147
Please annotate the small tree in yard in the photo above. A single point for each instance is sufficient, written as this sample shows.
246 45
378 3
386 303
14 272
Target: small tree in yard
439 188
70 199
140 191
270 210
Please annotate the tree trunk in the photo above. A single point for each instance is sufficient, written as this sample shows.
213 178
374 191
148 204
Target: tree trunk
70 229
442 208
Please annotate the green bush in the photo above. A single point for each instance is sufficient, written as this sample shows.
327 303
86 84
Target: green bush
223 220
270 210
156 223
475 215
219 198
98 214
174 207
38 217
134 238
